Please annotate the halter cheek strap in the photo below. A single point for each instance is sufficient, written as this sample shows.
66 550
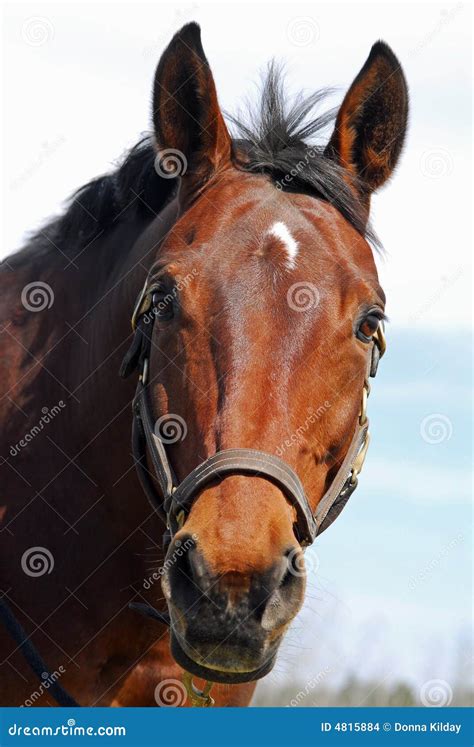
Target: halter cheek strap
173 500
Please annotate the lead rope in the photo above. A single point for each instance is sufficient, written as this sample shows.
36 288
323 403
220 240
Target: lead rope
32 657
197 697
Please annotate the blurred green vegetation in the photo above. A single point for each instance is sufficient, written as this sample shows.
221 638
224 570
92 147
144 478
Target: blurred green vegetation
352 692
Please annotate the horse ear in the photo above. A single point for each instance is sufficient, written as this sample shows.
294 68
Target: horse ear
190 132
372 121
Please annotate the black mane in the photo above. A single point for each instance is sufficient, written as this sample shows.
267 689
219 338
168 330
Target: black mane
133 189
274 139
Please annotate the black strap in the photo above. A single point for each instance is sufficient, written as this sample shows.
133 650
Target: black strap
140 460
251 462
164 473
148 611
338 505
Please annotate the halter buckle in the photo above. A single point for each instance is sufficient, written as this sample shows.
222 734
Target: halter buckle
199 698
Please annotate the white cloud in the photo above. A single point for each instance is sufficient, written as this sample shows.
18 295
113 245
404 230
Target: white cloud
418 483
420 391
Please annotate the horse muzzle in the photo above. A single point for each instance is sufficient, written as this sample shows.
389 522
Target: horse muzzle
228 628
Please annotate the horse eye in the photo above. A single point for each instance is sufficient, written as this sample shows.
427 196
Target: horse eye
368 327
162 304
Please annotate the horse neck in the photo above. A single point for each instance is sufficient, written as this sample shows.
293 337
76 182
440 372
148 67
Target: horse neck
73 350
94 296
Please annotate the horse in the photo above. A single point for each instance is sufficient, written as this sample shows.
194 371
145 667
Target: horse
261 307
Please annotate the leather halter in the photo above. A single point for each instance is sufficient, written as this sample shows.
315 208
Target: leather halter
174 500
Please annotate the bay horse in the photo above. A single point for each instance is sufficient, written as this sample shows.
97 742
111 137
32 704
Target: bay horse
260 309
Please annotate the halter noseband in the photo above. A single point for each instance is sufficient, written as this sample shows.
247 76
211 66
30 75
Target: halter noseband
173 501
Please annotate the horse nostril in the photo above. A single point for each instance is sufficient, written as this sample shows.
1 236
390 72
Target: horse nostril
186 570
269 599
287 598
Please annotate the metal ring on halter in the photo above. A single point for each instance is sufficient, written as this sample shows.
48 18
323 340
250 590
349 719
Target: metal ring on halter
199 698
379 337
359 460
363 408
